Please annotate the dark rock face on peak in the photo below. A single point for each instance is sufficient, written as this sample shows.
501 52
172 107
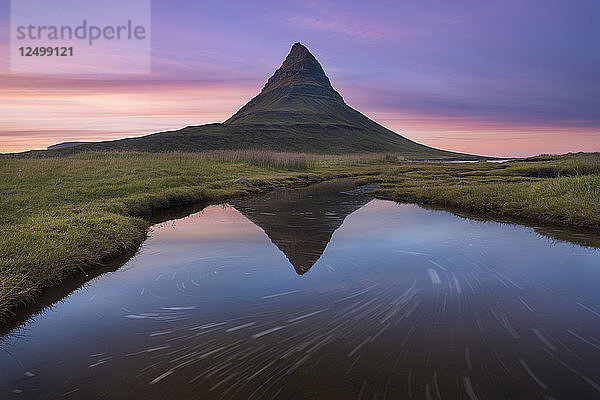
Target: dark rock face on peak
298 110
298 92
299 67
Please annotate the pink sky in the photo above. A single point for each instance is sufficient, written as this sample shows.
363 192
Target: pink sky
38 112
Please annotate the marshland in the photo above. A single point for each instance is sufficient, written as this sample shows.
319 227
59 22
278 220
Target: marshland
66 214
387 276
182 216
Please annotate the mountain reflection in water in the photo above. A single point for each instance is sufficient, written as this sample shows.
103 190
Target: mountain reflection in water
399 302
301 222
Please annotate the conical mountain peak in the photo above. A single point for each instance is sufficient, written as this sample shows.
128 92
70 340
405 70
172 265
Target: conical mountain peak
298 92
297 110
299 67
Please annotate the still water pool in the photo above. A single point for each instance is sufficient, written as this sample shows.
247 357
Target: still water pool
321 293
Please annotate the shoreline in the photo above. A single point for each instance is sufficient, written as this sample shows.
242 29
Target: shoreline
475 212
93 213
10 305
494 207
47 296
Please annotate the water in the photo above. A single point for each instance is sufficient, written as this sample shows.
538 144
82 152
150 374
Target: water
317 294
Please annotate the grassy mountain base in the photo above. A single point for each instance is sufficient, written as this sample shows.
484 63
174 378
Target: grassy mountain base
61 215
313 137
557 190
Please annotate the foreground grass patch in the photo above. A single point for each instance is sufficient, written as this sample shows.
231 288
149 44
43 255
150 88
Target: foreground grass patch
566 200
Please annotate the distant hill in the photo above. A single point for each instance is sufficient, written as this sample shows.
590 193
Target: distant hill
65 145
297 110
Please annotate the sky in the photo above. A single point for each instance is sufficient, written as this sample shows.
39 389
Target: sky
501 78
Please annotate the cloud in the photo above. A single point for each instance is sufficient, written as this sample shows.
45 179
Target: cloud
345 25
326 16
510 105
38 111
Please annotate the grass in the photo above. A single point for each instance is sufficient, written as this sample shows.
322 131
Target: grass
562 190
560 166
61 215
293 161
566 200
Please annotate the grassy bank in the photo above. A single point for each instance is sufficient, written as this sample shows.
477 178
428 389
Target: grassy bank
61 215
561 190
567 200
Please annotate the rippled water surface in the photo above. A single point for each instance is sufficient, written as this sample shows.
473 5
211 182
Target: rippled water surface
314 293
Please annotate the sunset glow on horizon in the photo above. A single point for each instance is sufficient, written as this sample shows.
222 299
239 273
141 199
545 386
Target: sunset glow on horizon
501 79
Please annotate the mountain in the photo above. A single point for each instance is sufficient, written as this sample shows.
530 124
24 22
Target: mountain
301 222
297 110
65 145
